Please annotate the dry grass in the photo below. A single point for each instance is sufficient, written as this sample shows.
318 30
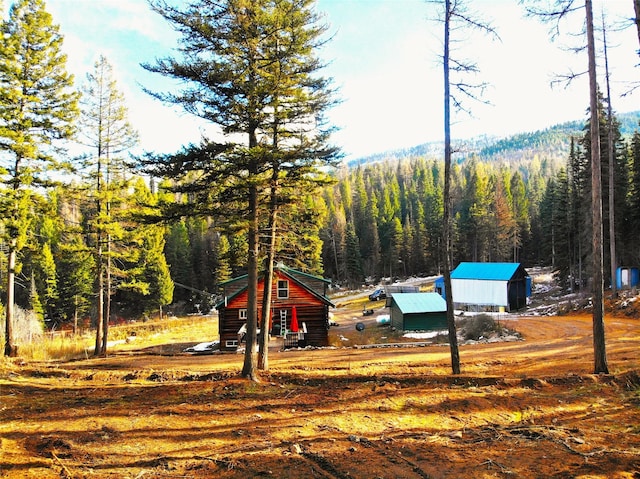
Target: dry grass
64 346
528 409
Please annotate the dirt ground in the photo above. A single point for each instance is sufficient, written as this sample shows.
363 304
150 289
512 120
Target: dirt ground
525 409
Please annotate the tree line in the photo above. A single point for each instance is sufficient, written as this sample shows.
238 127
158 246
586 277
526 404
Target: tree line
385 218
128 237
381 220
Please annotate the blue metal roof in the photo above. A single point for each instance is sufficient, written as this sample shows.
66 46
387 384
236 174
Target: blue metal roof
486 271
419 302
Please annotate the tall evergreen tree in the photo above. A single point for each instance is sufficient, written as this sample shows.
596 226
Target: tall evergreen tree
177 252
634 193
505 225
223 267
333 237
365 216
76 270
146 283
520 208
37 107
562 247
107 131
355 273
248 67
47 275
557 12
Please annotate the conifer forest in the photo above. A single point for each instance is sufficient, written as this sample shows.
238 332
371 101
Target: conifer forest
105 236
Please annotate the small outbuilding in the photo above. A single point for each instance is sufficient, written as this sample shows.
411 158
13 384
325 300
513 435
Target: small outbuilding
299 308
490 285
627 277
418 312
399 288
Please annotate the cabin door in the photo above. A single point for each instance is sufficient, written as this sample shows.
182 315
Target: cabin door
625 277
283 322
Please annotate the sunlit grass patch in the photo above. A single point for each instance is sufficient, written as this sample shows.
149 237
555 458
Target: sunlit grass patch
64 345
56 347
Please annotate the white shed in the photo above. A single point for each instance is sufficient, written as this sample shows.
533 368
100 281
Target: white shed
490 284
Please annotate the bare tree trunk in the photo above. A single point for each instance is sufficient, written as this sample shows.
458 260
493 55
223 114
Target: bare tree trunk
263 351
100 306
612 167
75 316
636 8
107 297
446 229
10 349
600 358
107 269
249 367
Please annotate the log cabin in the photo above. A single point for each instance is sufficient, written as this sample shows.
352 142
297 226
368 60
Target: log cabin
299 309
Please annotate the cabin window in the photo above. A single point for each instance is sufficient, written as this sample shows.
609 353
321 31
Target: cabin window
231 343
242 313
283 289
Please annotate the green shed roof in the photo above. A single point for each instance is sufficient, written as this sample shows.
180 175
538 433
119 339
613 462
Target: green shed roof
419 302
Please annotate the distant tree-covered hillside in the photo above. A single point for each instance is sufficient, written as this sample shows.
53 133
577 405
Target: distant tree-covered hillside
525 198
552 143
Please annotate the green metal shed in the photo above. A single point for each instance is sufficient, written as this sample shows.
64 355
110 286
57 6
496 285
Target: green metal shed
418 312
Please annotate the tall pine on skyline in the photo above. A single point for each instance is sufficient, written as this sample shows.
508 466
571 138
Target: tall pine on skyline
106 130
249 68
37 107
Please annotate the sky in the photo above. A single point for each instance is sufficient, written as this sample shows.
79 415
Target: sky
383 57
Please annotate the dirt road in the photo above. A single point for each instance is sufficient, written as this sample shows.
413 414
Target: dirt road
527 409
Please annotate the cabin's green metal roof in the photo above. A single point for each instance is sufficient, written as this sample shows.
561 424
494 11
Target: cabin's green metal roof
419 302
486 271
278 267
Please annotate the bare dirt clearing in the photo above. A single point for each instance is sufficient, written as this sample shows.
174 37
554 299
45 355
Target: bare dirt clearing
526 409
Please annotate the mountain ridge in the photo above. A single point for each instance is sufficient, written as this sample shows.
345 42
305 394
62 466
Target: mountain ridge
552 142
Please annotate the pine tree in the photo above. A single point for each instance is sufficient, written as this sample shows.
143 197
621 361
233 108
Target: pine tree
177 252
249 68
365 216
76 270
563 247
37 107
599 348
333 237
520 208
504 226
223 270
156 272
634 194
34 304
47 276
38 254
106 130
555 13
355 273
146 284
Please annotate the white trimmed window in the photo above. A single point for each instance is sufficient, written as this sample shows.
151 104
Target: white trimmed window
231 343
242 314
283 289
